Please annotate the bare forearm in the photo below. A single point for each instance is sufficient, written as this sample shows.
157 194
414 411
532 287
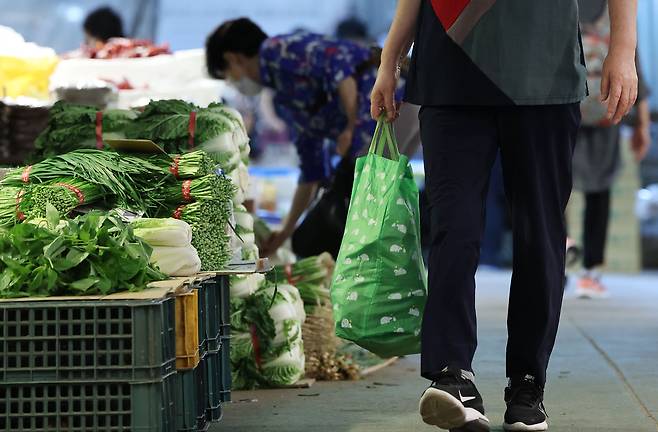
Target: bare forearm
303 196
401 34
347 92
623 25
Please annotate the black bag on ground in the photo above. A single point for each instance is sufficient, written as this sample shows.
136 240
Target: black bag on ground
323 227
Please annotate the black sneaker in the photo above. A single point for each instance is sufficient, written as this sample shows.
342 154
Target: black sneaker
525 406
452 402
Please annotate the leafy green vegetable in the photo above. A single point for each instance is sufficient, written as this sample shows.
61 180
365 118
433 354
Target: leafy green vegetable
65 194
272 318
131 179
72 127
186 166
10 198
208 187
218 130
310 275
95 253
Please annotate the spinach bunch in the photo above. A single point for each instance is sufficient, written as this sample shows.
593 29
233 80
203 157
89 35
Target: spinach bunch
95 253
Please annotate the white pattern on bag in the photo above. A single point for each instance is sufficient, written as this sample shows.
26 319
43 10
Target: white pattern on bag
395 296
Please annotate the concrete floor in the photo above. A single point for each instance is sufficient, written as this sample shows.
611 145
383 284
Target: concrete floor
603 374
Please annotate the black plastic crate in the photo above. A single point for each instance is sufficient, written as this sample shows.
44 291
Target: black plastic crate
219 378
190 399
218 317
87 340
94 406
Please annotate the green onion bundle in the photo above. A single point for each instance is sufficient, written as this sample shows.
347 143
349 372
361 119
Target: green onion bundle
212 244
64 194
125 176
208 187
186 166
10 198
196 212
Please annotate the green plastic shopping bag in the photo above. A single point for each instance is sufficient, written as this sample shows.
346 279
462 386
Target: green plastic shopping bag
379 286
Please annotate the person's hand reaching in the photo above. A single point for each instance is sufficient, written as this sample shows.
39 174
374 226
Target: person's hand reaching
640 142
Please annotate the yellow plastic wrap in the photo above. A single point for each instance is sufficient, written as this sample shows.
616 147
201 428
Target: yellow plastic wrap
26 76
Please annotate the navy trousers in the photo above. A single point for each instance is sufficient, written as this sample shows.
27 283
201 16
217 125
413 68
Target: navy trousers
460 145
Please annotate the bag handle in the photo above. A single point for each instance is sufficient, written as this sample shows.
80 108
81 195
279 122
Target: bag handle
384 136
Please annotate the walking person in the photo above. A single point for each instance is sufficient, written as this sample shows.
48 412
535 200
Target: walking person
597 158
491 75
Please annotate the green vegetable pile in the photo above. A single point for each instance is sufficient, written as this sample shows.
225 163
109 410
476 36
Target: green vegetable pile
271 319
131 179
81 256
64 194
311 276
73 127
217 129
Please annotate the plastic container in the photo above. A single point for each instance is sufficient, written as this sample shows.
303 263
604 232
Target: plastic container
218 311
187 330
91 340
190 399
97 406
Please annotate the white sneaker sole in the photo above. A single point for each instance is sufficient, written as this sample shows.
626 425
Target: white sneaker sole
590 294
518 426
441 409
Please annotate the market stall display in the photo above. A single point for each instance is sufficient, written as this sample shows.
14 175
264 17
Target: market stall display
94 253
72 126
171 240
24 67
121 48
266 321
140 80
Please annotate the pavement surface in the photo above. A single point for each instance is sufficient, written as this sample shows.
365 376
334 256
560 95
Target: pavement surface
603 374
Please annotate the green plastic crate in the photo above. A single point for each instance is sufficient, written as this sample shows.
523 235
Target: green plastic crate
94 406
218 317
190 399
75 340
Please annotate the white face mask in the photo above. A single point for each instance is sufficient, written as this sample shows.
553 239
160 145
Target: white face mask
247 86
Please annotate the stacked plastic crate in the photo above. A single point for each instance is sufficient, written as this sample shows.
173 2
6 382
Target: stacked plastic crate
81 365
203 380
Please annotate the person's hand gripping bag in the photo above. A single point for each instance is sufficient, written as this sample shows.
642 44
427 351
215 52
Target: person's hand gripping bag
379 286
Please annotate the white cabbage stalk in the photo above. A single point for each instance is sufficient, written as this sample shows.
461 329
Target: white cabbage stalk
246 285
176 261
286 369
248 238
296 298
167 232
243 177
245 221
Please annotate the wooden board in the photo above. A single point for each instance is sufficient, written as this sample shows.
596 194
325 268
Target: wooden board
156 291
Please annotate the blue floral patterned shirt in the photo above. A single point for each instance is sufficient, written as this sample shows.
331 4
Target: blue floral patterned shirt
304 70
